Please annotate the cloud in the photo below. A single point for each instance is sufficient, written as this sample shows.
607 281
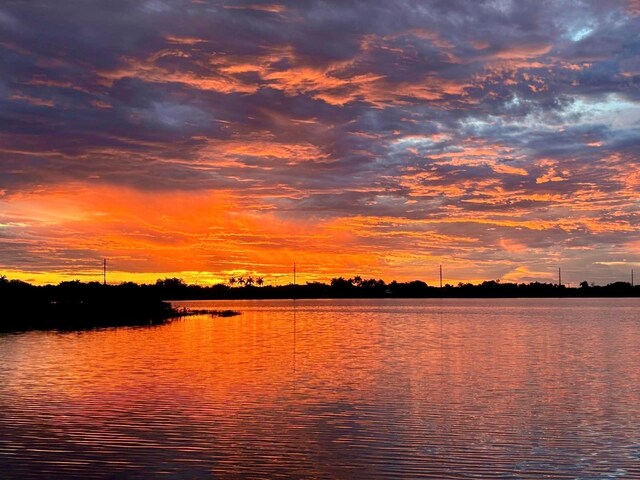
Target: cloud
501 132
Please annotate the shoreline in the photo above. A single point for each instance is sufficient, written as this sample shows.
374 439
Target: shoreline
82 306
89 315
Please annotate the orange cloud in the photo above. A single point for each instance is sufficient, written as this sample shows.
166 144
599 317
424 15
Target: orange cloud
41 102
148 71
273 8
208 235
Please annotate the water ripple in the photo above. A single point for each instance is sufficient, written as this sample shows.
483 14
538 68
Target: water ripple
441 389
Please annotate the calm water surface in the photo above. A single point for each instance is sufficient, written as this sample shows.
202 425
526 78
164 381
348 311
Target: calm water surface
333 389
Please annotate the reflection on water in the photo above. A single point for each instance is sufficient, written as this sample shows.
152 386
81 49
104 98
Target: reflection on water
333 389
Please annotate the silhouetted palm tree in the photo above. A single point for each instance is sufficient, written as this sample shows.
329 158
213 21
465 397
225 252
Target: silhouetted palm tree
249 281
259 281
232 281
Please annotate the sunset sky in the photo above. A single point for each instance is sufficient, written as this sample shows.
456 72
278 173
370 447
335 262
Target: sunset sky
208 139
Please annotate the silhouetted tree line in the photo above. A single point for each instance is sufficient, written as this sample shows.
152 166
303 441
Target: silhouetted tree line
76 305
16 291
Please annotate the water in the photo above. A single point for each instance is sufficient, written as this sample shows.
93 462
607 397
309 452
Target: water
545 388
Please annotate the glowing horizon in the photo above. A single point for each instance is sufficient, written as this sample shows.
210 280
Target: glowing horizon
200 140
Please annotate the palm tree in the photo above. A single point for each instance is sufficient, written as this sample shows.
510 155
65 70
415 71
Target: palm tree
232 281
249 281
241 280
259 281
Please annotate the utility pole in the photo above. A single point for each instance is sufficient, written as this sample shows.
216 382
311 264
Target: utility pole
440 276
632 277
294 282
104 271
559 277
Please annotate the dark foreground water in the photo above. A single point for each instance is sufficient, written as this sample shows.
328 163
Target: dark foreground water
333 389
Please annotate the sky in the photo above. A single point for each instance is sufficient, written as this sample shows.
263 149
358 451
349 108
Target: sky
209 139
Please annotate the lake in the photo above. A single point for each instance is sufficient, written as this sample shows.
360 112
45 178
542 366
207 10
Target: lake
442 389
